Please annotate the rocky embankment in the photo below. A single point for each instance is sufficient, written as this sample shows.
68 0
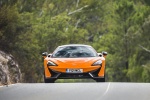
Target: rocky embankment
9 69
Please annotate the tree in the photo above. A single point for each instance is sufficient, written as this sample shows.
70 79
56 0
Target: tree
10 27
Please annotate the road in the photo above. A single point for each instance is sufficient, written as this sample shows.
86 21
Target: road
76 91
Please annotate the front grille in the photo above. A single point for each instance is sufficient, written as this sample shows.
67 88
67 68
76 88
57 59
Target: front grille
95 72
74 75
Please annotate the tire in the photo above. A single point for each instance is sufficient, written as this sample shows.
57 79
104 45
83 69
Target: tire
100 79
48 80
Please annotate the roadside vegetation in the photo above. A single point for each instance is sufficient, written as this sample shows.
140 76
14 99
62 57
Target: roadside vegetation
120 27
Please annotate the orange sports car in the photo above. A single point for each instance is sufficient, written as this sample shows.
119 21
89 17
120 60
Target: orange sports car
74 61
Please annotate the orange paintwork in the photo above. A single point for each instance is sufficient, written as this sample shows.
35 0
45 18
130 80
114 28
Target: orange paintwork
74 63
102 71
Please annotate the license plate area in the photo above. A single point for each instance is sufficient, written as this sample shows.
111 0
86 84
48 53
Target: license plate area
74 70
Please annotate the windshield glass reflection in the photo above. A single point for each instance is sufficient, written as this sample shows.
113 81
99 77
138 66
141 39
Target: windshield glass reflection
74 52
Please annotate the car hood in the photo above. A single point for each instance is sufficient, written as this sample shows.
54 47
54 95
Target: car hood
72 62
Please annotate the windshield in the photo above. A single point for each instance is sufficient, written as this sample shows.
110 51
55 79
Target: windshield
74 52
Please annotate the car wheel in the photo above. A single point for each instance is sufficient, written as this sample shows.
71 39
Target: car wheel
48 80
100 80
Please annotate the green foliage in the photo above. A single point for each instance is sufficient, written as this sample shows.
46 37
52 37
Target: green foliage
9 27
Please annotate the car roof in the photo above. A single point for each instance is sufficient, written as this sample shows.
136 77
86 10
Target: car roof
75 45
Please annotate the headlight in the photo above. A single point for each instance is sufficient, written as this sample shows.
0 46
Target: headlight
97 63
50 63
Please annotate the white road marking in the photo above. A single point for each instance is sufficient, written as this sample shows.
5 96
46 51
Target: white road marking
107 89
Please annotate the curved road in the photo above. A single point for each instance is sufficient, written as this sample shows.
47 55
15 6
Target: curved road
76 91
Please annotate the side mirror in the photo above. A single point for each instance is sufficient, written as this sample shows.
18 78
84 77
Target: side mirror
104 54
44 54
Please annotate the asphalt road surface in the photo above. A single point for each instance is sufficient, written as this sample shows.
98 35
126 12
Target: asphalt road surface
76 91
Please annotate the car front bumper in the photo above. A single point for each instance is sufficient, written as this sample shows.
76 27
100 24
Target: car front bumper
60 75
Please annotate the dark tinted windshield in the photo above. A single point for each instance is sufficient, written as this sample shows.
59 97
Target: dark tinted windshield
74 52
